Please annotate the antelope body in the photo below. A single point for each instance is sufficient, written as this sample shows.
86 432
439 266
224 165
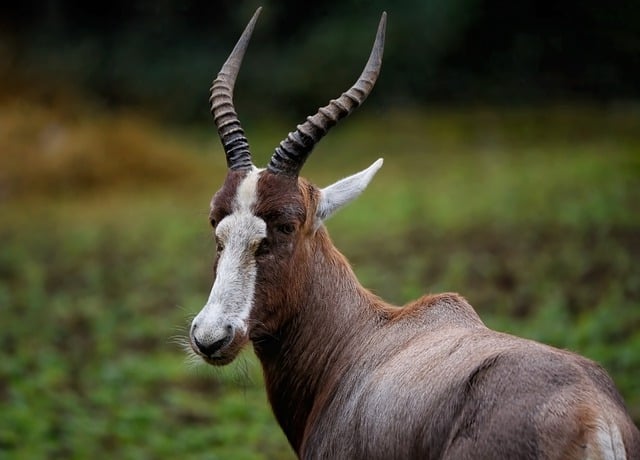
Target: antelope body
349 376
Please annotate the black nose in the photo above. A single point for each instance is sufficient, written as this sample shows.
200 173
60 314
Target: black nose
210 349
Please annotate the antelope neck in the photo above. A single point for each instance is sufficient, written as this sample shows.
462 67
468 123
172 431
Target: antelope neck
309 353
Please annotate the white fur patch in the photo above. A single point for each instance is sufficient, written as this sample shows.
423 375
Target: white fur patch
247 194
231 296
608 443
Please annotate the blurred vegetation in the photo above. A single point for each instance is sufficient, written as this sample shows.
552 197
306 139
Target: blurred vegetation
106 253
524 196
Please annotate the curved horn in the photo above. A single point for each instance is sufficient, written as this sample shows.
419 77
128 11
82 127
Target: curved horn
235 143
290 155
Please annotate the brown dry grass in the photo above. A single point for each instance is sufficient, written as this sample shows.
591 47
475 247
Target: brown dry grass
51 151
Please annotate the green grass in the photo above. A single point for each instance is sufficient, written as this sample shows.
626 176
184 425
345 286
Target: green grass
532 215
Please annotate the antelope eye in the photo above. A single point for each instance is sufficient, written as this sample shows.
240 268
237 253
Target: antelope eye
213 222
287 229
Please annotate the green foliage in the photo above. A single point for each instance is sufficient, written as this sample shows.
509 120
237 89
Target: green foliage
533 216
93 312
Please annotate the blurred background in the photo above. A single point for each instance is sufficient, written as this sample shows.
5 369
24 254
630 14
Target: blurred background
160 56
511 134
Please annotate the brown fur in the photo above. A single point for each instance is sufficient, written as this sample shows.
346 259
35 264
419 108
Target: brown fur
351 377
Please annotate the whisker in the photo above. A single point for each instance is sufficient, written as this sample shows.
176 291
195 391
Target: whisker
189 313
193 362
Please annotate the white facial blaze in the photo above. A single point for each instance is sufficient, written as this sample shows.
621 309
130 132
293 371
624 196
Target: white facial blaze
231 296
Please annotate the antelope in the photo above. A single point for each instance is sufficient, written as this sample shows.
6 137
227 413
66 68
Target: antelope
349 376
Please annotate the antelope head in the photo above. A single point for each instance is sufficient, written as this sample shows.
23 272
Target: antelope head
268 222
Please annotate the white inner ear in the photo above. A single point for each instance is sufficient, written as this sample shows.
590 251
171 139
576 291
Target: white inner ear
336 195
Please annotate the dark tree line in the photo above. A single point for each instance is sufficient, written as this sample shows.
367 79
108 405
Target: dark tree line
163 54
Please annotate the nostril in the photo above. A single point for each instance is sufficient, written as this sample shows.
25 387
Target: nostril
210 349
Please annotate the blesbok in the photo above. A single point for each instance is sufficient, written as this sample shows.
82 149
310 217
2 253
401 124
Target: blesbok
349 376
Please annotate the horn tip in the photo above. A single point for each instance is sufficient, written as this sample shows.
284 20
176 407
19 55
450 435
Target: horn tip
383 20
254 18
382 26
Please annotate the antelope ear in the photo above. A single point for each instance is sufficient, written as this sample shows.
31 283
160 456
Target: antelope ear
336 195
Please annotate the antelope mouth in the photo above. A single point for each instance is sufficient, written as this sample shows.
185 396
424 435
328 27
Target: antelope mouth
219 353
218 360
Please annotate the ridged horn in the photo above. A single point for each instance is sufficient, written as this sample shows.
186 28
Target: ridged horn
234 142
290 155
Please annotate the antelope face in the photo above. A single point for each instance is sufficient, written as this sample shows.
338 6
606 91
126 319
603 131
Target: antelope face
257 219
264 219
219 331
264 227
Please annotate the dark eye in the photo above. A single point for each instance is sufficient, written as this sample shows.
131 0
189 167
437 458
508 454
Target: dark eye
287 229
213 222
